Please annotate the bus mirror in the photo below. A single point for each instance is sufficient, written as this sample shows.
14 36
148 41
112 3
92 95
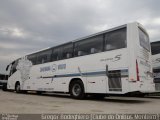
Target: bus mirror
107 70
7 67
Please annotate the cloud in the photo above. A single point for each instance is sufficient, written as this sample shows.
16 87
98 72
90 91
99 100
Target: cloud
27 26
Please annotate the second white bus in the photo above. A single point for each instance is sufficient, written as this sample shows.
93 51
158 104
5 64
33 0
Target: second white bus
115 61
155 46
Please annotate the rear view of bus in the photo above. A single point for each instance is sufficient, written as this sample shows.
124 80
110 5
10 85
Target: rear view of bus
140 72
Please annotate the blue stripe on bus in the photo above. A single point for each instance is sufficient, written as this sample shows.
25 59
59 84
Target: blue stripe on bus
124 73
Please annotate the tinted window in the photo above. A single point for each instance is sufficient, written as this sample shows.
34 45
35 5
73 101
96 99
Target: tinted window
67 51
116 39
62 52
89 46
155 47
44 56
144 40
57 54
32 58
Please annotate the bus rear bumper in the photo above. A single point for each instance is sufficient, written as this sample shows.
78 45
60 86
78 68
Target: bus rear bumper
146 87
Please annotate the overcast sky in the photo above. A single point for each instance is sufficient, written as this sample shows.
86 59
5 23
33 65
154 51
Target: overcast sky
30 25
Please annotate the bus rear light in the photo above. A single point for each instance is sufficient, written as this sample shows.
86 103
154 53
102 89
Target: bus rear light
132 79
137 70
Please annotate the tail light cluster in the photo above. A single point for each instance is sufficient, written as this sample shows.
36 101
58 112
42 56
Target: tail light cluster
137 71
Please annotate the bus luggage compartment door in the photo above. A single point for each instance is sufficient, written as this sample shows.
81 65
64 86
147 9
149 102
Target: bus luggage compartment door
114 80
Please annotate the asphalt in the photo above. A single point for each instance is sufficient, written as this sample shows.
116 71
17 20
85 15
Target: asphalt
11 102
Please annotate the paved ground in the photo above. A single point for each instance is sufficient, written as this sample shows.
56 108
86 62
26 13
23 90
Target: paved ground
11 102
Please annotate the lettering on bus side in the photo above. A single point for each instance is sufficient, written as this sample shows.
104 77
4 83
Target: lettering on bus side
44 69
114 59
58 67
117 57
54 67
61 66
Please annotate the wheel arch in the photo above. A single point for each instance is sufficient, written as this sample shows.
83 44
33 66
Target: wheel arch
17 82
73 80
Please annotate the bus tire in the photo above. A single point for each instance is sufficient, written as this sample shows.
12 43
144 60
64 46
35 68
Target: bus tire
77 89
17 87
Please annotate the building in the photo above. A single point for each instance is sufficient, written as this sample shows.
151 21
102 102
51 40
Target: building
3 77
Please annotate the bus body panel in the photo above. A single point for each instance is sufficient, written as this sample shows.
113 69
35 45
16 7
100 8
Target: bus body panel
13 79
91 69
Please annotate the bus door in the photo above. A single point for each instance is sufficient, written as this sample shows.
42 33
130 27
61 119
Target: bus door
114 81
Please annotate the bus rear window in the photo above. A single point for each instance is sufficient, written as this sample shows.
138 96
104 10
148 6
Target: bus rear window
144 40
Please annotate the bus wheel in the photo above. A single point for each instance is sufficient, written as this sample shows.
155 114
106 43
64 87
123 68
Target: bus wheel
17 87
77 90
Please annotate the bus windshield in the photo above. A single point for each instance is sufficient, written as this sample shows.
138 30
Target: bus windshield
144 40
155 48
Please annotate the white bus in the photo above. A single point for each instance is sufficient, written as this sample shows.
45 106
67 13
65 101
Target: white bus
155 46
115 61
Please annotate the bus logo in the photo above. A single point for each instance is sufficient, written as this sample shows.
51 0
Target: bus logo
54 68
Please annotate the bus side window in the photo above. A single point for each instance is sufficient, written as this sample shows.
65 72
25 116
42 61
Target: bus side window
116 39
81 53
67 51
42 59
69 55
94 50
32 58
89 46
44 56
56 54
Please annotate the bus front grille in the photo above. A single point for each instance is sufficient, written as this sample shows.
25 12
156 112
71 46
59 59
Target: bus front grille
114 80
